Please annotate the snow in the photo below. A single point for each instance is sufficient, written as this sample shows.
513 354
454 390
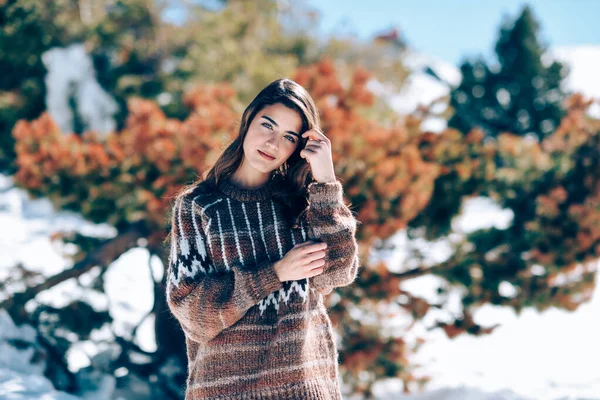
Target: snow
128 298
422 89
71 74
19 358
584 64
25 386
126 279
538 355
22 366
460 393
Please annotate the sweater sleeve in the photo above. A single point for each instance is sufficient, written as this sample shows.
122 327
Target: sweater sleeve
331 221
206 301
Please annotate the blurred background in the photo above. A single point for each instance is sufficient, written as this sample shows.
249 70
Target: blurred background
466 134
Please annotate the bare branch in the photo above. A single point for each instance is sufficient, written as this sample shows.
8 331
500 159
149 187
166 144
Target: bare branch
102 256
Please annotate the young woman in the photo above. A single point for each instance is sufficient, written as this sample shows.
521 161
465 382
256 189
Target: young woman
254 247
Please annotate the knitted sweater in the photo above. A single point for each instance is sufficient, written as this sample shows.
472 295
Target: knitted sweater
249 335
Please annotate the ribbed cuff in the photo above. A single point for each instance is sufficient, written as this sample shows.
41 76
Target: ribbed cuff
266 281
325 192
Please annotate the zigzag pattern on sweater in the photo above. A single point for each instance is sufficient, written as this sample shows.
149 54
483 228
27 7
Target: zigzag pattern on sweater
186 263
300 287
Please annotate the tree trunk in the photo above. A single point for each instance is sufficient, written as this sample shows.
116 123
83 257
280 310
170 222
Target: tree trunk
170 339
103 256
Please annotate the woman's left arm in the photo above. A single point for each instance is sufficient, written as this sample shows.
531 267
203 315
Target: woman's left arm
331 221
328 218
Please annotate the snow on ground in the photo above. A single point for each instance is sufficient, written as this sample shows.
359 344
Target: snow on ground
22 366
459 393
25 386
537 355
129 288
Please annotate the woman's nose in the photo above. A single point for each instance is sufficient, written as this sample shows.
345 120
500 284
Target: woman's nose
271 143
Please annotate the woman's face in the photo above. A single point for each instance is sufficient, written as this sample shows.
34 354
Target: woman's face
274 131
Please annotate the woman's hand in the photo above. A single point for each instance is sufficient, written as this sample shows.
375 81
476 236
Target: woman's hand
304 260
318 154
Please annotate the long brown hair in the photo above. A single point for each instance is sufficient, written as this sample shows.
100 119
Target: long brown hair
295 174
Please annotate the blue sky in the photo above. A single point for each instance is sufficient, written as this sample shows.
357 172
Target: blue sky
453 29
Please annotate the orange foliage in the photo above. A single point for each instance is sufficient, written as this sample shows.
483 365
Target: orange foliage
137 170
388 161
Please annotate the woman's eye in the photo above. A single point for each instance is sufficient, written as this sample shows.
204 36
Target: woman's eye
291 139
267 125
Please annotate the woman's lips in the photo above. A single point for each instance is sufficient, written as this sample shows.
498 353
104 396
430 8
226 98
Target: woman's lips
265 156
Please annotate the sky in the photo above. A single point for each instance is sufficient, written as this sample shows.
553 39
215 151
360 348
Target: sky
455 29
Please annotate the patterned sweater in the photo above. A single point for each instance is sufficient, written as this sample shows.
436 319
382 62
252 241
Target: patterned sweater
249 335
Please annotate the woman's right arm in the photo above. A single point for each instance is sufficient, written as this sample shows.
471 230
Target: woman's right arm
203 301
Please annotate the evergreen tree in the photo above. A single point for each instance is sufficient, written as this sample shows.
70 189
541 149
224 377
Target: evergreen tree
520 95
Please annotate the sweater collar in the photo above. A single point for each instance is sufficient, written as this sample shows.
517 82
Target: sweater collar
231 189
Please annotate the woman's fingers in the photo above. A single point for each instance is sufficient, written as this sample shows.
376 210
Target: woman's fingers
314 145
310 246
315 134
314 247
308 242
315 256
312 257
312 142
315 271
320 263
